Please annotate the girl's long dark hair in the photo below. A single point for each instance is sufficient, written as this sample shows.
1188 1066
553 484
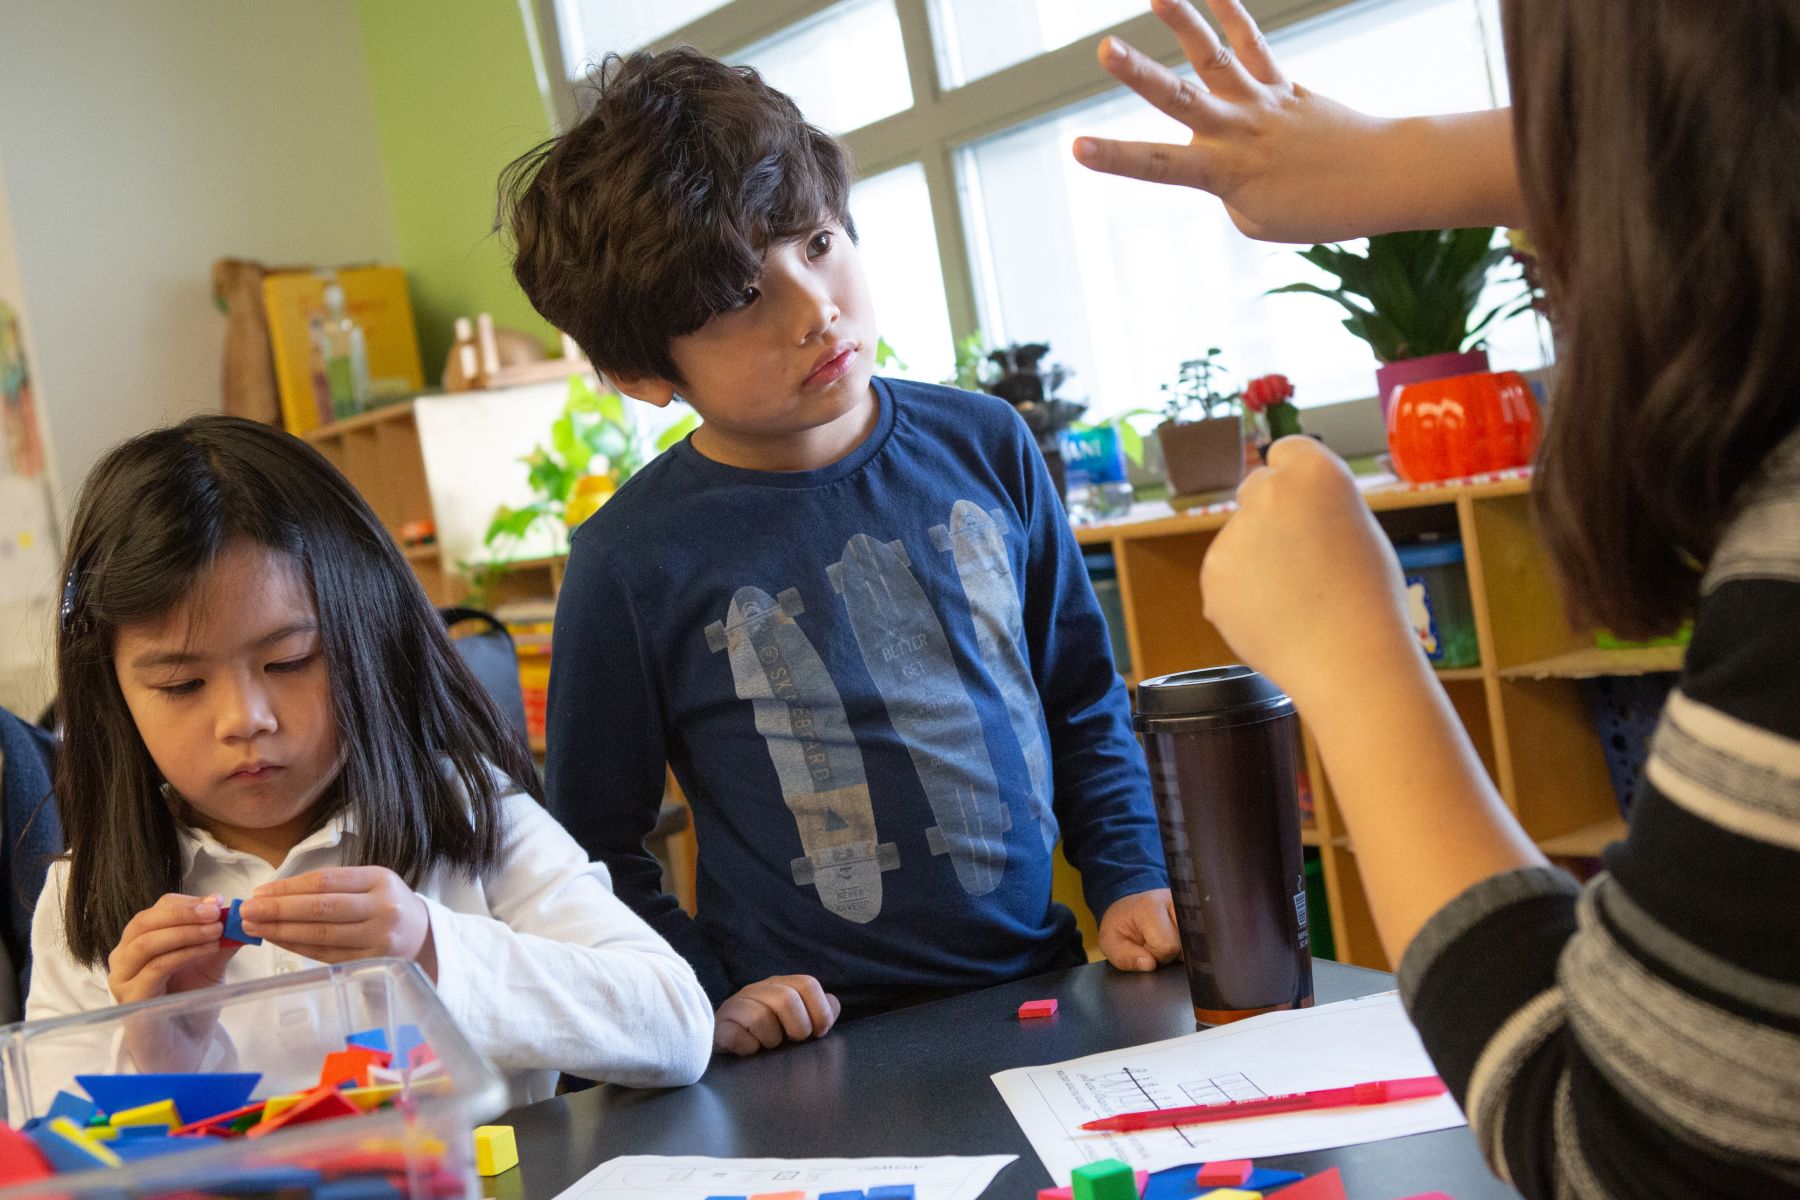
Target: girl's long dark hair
424 748
1657 144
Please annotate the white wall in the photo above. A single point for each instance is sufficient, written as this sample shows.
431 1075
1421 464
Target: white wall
140 142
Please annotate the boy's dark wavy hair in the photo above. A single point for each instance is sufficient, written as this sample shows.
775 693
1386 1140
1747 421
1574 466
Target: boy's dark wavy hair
421 741
1656 143
652 214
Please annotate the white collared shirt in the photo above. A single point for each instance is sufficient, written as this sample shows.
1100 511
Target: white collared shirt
540 964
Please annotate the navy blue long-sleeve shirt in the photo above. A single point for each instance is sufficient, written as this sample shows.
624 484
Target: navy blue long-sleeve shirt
886 690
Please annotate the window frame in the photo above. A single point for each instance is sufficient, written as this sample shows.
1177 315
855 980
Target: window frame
940 122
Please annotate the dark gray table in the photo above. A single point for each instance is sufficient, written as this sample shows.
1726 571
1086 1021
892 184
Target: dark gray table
915 1082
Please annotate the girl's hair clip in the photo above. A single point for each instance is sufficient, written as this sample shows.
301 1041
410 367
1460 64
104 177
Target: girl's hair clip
73 625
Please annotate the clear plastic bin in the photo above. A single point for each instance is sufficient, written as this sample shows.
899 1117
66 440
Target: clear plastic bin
1437 596
282 1028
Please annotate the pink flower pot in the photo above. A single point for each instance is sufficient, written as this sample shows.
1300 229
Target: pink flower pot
1391 377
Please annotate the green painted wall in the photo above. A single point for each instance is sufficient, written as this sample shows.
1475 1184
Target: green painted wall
456 98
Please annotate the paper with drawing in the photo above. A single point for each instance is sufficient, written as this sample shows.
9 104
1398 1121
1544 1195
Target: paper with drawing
1334 1045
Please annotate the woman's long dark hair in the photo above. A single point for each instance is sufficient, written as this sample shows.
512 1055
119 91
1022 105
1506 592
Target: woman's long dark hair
1659 147
420 739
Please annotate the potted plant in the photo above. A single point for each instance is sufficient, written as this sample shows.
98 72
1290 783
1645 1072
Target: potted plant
1413 298
1019 379
1202 434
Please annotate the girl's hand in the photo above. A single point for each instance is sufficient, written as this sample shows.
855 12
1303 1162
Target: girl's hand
172 946
1303 584
343 913
1290 164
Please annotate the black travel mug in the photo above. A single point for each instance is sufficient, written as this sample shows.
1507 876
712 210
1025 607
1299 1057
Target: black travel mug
1224 752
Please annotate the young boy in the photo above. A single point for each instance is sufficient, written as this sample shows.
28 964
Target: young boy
848 612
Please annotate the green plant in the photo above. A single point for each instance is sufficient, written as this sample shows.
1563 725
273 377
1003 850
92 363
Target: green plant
1414 294
1197 388
595 435
973 369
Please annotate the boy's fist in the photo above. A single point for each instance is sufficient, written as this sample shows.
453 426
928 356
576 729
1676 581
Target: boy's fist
1138 932
781 1008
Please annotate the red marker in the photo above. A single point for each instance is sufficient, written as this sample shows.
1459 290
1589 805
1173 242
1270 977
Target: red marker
1381 1092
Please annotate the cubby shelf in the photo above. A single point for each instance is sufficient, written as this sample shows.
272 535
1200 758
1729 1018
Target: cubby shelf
1531 723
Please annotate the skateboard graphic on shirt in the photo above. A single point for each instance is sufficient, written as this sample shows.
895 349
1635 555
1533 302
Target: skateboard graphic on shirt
801 717
908 655
975 541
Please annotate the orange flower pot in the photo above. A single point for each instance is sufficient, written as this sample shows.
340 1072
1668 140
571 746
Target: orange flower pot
1463 425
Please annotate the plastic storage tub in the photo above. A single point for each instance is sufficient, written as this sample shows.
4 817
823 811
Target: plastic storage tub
1437 596
281 1028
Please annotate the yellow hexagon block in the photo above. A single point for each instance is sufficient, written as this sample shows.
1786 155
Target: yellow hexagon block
496 1149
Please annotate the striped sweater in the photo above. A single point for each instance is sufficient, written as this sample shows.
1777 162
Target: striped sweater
1640 1038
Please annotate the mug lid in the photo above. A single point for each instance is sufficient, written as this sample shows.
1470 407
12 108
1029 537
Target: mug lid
1229 695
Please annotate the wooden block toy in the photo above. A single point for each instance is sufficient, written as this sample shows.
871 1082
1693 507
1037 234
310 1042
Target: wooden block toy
1108 1179
779 1196
1267 1179
405 1037
496 1150
1326 1185
274 1106
234 927
1230 1194
891 1191
78 1109
1037 1009
159 1112
195 1096
371 1098
248 1115
1227 1173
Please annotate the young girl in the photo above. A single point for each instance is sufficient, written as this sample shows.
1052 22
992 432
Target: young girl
1640 1038
259 702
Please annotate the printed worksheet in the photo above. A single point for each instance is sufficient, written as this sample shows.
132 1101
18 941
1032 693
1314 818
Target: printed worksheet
1334 1045
654 1177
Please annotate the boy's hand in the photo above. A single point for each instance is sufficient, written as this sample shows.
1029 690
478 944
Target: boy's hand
1138 933
1302 583
343 913
788 1008
172 946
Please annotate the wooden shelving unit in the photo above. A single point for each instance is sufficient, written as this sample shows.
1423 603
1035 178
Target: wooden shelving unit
378 452
1523 706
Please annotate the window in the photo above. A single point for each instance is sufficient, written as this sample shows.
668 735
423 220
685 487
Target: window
1126 280
592 28
906 278
975 38
844 68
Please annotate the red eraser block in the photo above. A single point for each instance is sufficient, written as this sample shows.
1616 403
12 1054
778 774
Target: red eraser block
1037 1008
1227 1173
1326 1185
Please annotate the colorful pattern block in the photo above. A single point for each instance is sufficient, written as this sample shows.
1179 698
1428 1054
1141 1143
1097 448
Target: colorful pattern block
78 1109
496 1150
195 1096
20 1159
891 1191
1068 1193
161 1112
1227 1173
234 927
779 1196
1432 1196
1037 1009
350 1068
1231 1194
1326 1185
320 1104
1267 1179
842 1196
68 1147
1108 1179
